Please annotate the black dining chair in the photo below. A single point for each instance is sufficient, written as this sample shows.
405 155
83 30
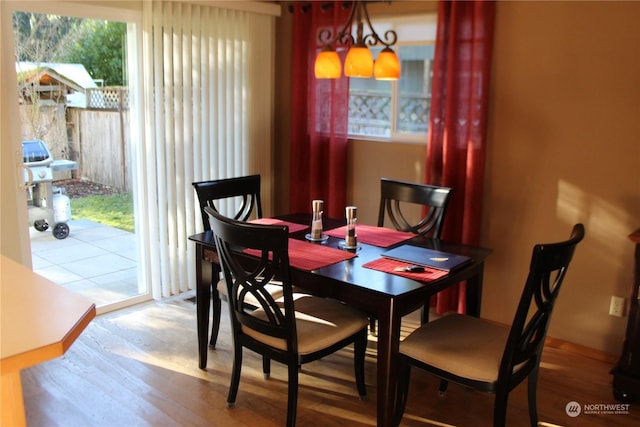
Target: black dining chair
397 198
483 355
293 329
243 194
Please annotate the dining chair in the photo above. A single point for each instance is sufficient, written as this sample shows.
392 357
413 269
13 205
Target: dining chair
486 356
398 197
243 193
293 329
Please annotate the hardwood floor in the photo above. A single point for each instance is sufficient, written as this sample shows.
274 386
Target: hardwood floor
139 367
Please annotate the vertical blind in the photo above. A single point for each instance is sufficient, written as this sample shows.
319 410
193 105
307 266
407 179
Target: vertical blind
208 105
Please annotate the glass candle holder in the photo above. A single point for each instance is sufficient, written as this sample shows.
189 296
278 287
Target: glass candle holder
316 220
351 238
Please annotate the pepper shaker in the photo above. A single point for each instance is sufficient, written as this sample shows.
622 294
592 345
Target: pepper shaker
351 239
316 221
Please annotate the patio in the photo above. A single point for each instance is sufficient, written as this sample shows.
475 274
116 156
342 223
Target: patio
96 261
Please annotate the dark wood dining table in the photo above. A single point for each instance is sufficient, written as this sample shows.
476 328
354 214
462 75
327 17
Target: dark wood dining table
384 295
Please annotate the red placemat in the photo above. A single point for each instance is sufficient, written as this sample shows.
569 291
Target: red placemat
388 266
293 226
376 236
311 256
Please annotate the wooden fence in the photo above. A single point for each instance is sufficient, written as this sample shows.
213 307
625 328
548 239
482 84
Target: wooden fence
96 138
103 146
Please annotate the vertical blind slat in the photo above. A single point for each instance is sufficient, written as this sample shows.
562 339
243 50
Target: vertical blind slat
196 60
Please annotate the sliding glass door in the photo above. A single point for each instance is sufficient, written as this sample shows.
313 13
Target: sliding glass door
78 92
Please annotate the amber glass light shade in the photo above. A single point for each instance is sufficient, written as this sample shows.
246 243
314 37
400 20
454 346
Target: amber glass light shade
328 65
359 62
387 66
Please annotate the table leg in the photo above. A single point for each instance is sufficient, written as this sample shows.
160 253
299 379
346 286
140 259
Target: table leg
474 291
203 300
12 400
388 346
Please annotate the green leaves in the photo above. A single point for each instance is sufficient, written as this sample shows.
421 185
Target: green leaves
98 45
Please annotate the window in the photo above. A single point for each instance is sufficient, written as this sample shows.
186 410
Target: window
397 111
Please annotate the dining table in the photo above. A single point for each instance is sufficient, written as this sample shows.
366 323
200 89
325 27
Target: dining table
360 277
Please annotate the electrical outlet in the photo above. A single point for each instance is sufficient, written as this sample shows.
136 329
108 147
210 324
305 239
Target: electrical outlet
616 308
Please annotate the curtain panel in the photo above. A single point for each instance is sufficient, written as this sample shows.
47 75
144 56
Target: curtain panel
319 116
458 124
208 103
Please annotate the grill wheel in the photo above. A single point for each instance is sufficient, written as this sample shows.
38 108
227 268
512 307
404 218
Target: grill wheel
41 225
61 230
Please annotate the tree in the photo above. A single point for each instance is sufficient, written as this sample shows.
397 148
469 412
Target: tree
98 45
39 37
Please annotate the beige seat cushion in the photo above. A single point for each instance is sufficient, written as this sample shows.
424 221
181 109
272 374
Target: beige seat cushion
463 345
320 322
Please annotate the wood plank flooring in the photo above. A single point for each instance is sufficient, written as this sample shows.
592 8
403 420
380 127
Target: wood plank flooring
139 367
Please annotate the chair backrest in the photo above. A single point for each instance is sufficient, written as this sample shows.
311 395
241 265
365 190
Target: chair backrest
246 189
548 268
396 194
248 275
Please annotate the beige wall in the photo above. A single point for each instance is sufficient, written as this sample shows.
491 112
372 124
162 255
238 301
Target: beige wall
370 161
564 146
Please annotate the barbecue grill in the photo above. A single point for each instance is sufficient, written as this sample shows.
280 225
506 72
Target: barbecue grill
46 204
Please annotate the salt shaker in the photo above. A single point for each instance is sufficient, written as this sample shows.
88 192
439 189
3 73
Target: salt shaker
316 221
351 239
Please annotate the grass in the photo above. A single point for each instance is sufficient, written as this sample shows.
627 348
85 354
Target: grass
114 210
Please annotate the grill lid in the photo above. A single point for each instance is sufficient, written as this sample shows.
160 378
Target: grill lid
35 153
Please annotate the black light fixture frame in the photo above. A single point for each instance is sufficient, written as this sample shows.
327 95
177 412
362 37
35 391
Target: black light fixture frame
344 36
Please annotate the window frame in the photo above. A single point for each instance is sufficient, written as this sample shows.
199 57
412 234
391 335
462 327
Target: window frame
398 22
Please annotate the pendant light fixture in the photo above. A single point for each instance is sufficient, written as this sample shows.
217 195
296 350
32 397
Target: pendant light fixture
359 61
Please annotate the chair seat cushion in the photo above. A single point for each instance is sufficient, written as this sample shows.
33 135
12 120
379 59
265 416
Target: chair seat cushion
462 345
320 322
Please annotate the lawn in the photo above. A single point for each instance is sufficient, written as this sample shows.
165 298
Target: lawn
114 210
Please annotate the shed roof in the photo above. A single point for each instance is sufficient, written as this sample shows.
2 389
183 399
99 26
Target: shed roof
73 75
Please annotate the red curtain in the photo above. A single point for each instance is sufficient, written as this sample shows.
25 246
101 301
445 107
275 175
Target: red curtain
458 124
319 115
